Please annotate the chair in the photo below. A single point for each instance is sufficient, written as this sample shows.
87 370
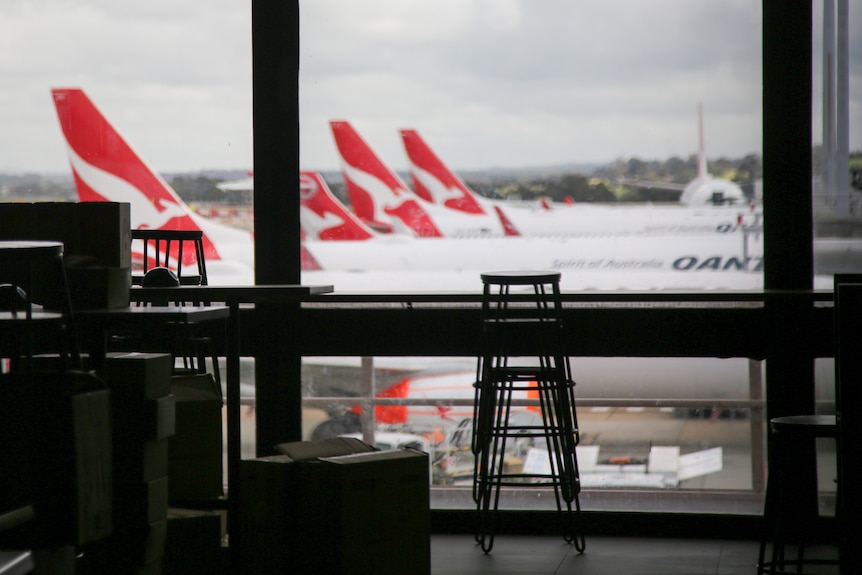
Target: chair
184 341
507 370
172 249
166 258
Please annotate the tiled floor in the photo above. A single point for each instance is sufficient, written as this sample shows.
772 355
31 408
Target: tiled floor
523 555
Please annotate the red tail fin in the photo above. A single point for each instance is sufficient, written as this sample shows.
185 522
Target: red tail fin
105 168
508 227
323 217
377 194
433 181
391 414
306 260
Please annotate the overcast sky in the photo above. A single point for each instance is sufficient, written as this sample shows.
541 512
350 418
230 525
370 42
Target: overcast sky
487 82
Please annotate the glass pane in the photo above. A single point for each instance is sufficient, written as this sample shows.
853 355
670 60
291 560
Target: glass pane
146 103
673 424
620 140
837 137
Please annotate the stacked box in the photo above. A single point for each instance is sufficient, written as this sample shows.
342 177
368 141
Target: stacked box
143 412
17 218
103 275
367 512
38 221
96 239
106 235
193 543
98 287
56 455
195 459
99 232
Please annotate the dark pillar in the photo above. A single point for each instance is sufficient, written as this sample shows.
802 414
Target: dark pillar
788 258
788 241
275 54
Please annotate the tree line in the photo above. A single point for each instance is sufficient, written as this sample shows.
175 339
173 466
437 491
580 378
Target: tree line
602 184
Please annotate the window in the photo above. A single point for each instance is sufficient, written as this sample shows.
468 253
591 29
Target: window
622 141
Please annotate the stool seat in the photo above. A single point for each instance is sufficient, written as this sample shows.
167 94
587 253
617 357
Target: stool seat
520 277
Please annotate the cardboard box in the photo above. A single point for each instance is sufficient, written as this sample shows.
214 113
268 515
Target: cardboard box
135 549
93 463
98 287
142 503
332 447
137 376
96 232
17 218
195 454
106 233
58 221
367 512
149 420
141 461
56 455
193 543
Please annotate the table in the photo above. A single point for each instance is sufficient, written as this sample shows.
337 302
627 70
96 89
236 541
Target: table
22 260
232 296
140 319
37 268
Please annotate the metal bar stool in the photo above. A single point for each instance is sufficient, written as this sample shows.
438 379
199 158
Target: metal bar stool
791 509
524 306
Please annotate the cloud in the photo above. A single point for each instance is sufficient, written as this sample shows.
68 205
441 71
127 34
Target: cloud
488 82
619 74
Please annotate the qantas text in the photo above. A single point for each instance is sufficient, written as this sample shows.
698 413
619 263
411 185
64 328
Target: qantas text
683 263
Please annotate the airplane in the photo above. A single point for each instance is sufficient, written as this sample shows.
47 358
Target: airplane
105 167
437 183
323 217
455 263
705 189
380 198
383 201
442 396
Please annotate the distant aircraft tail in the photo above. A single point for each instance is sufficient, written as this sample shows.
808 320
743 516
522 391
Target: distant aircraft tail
702 170
508 227
106 168
433 180
323 216
377 194
306 260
